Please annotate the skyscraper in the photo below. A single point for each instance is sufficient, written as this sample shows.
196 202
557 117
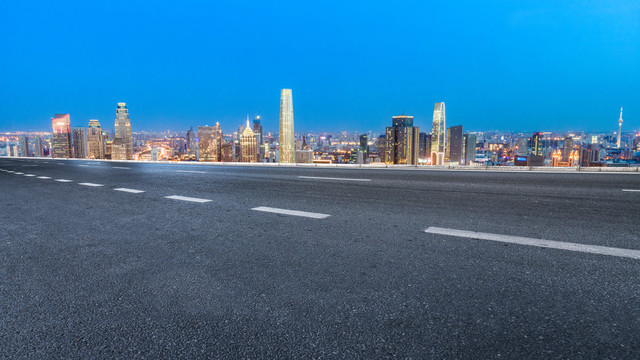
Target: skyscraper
454 144
287 139
191 141
61 136
95 141
537 145
424 151
248 145
79 143
567 148
469 148
122 147
619 129
207 144
364 147
257 130
438 135
38 147
402 141
23 141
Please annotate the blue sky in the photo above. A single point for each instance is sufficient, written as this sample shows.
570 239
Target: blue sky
505 65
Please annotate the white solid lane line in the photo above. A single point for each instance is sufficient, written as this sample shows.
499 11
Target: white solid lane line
331 178
634 190
43 177
63 180
291 212
593 249
133 191
191 171
120 167
186 198
90 184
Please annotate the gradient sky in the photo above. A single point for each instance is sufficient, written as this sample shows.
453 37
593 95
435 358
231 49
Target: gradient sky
505 65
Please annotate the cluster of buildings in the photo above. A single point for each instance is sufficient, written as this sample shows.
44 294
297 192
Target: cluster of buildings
402 143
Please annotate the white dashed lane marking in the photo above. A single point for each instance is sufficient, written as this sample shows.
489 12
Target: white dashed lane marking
63 180
120 167
331 178
43 177
291 212
191 171
133 191
185 198
593 249
90 184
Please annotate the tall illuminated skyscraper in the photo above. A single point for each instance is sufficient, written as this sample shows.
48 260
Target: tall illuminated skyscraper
95 141
438 135
287 139
79 143
537 144
210 143
619 129
248 145
61 136
122 147
257 130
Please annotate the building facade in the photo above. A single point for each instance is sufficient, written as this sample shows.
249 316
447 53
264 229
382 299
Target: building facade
248 145
23 143
61 136
95 141
287 138
79 143
438 134
122 147
402 141
453 151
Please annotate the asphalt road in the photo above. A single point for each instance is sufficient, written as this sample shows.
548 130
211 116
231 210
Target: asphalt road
88 271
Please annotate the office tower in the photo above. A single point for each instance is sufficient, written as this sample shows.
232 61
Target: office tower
424 151
438 135
523 146
79 143
568 147
61 136
208 143
257 130
24 146
364 147
38 147
402 141
537 145
287 139
122 147
95 141
381 144
453 152
619 129
248 145
191 141
469 148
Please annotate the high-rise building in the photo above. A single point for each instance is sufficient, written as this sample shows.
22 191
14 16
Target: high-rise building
381 142
38 146
568 148
257 130
453 152
537 144
122 147
191 141
364 147
79 143
207 144
438 134
469 148
95 141
402 141
619 129
23 141
287 138
248 145
61 136
424 151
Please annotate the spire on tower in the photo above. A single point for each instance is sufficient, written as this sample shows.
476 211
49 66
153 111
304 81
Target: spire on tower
620 120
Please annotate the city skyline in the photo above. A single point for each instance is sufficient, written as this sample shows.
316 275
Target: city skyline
532 66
